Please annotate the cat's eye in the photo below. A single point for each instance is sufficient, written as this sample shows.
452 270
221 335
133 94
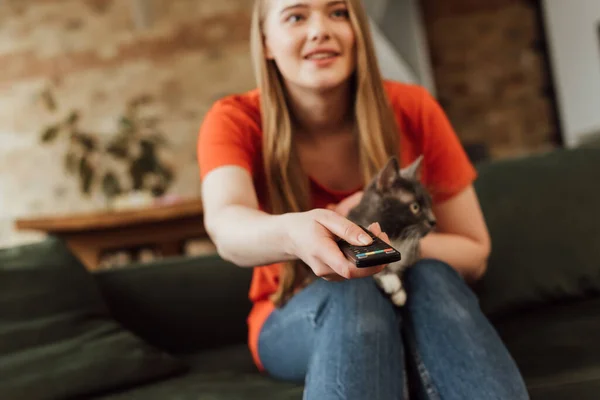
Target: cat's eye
415 207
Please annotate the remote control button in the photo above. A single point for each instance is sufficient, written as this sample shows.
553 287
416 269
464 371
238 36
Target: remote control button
371 253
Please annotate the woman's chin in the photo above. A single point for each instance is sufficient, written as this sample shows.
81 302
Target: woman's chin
324 84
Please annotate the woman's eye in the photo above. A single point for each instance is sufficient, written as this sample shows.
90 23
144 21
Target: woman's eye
415 208
341 13
294 18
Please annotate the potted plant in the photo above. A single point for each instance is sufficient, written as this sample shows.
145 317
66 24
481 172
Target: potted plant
134 145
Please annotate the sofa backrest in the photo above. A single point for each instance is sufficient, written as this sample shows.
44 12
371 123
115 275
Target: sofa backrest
180 304
543 213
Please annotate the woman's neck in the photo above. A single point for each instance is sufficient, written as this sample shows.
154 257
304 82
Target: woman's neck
321 113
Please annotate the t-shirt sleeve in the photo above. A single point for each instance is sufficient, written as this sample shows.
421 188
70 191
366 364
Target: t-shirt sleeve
225 138
447 170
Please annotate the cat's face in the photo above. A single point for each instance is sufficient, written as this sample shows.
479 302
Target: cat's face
400 202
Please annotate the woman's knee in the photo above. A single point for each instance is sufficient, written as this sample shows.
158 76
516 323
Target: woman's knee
437 284
359 336
363 310
360 294
431 271
434 276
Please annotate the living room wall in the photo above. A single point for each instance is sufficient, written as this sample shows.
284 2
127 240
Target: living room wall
574 41
94 58
491 70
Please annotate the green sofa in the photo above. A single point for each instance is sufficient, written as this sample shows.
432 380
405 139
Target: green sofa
175 329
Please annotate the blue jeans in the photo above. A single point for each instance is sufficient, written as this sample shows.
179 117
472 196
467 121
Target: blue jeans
346 340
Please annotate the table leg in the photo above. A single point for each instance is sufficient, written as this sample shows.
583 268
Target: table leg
88 255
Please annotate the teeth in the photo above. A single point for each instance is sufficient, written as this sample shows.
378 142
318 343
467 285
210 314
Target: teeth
319 56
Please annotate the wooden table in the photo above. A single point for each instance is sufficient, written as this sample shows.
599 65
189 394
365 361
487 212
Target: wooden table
165 228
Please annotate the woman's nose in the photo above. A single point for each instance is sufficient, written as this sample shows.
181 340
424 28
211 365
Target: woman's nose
319 29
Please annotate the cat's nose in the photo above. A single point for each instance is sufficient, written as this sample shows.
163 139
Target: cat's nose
432 223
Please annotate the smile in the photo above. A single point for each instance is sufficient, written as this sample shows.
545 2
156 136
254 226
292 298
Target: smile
321 56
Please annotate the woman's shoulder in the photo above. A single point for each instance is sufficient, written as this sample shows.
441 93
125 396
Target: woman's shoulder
233 118
406 97
230 133
243 106
413 106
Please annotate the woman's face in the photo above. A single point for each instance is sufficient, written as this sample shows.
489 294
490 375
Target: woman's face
311 41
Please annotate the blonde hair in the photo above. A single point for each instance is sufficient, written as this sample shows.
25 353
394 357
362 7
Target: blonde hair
375 123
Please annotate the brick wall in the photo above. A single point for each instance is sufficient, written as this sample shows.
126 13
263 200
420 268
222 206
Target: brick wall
491 73
93 57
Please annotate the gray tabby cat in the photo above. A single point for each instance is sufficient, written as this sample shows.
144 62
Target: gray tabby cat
401 205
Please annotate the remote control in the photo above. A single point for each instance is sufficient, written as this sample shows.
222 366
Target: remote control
376 253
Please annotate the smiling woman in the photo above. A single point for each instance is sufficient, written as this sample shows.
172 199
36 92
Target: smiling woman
282 164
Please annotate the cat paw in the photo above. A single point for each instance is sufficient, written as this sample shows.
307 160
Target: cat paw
399 298
390 283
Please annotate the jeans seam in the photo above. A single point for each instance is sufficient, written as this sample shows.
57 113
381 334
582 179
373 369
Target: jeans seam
427 382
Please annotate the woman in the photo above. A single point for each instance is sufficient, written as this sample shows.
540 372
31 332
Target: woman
280 168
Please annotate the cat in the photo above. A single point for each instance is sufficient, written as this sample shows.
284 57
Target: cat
396 199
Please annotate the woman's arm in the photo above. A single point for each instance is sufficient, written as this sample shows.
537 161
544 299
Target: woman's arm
248 237
461 238
241 232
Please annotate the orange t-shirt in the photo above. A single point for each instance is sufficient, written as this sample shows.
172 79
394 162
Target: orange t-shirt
231 135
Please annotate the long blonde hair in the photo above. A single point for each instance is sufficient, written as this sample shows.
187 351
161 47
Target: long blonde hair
374 120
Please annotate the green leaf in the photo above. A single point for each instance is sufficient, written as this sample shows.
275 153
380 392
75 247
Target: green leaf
86 175
110 185
165 173
50 133
145 164
126 126
71 163
118 149
140 100
87 141
48 100
137 173
158 190
158 139
72 118
148 148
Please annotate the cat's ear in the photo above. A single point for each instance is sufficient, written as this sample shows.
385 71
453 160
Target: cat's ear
413 171
389 173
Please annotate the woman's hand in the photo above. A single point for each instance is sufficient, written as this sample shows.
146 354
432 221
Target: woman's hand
344 206
312 235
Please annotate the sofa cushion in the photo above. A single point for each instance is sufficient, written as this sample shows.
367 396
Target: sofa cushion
556 349
543 214
227 373
199 302
57 339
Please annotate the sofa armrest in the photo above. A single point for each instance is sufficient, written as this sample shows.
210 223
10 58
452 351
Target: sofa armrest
180 304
